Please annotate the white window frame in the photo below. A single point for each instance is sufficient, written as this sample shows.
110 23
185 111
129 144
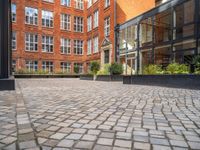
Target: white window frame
96 44
14 12
65 22
78 47
31 42
107 26
47 44
80 66
89 23
89 4
14 40
65 67
78 24
89 47
66 3
96 18
65 46
48 66
107 3
49 1
31 65
31 14
47 19
79 4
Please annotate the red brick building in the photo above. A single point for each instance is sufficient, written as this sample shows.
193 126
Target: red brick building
56 35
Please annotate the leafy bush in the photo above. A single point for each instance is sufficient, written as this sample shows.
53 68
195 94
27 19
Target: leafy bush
95 67
76 69
105 70
152 69
116 69
176 68
196 62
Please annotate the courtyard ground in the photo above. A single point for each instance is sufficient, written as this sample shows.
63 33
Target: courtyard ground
64 114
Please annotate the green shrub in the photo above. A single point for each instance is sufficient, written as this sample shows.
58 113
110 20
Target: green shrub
176 68
196 62
116 69
105 70
95 67
76 69
152 69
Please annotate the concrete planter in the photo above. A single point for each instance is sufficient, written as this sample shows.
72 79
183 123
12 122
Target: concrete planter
175 81
45 76
107 78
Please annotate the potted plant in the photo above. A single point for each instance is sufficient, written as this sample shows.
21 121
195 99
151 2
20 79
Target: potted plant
116 69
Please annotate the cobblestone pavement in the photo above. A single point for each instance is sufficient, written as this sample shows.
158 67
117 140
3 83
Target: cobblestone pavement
62 114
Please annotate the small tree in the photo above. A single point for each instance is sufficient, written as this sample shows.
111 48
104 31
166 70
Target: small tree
116 69
95 67
76 69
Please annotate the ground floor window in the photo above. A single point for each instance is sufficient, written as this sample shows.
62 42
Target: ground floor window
78 68
31 65
13 65
47 66
65 67
146 58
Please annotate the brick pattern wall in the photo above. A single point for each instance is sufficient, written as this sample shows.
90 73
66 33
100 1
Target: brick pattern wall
20 55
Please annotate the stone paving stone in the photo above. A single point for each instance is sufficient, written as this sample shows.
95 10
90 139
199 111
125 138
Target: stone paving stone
51 143
101 147
58 136
161 147
27 144
74 136
10 147
94 132
144 146
89 137
159 141
84 145
194 145
66 143
8 140
107 135
178 143
123 143
59 148
105 141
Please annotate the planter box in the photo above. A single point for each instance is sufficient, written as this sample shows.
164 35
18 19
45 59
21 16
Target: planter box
45 76
7 84
175 81
107 78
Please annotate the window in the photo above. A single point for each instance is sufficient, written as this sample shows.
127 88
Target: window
65 46
47 44
78 24
31 65
107 3
89 23
14 40
107 26
106 57
78 47
96 19
79 66
47 66
96 44
65 22
66 3
65 67
13 7
31 42
50 1
47 18
31 16
79 4
89 3
13 65
89 47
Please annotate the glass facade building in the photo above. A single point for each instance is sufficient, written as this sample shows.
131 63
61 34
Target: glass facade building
165 34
